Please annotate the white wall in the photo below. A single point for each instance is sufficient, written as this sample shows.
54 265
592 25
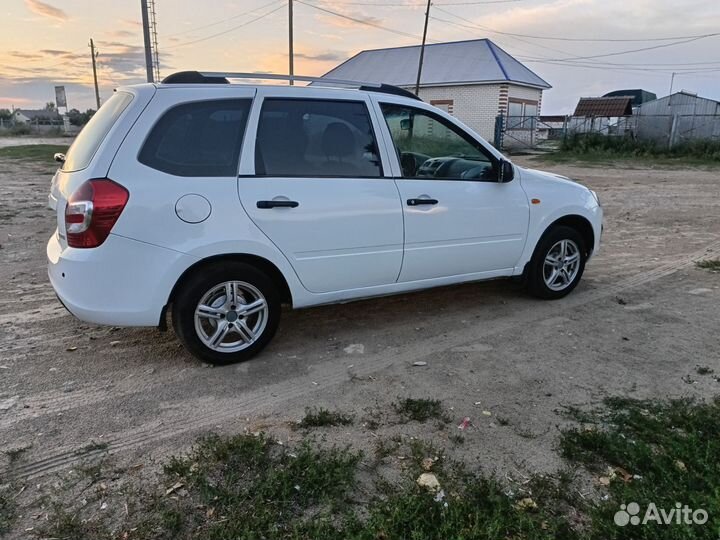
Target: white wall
478 105
475 105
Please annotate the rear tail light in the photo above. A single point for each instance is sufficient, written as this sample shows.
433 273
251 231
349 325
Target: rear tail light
92 211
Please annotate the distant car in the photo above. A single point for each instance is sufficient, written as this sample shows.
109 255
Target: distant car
222 201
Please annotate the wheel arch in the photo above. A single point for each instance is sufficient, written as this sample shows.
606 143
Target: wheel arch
263 264
575 221
580 223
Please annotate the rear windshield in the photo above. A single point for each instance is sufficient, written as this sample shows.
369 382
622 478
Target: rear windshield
88 141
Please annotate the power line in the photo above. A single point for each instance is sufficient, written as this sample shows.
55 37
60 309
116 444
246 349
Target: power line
359 21
229 29
555 38
568 62
652 48
421 4
222 21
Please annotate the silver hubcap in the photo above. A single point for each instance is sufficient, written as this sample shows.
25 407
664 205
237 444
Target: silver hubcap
562 264
231 316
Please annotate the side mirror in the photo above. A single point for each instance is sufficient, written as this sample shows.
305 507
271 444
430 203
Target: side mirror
60 158
506 171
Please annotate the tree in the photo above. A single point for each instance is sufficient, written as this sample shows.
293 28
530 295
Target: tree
5 114
50 106
78 118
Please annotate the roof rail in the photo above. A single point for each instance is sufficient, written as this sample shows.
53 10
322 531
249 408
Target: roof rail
216 77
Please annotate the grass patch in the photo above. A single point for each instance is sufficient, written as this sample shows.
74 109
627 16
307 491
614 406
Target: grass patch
247 487
671 451
324 418
7 507
594 147
92 447
35 152
15 454
420 410
709 264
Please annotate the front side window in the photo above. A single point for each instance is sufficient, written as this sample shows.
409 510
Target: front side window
429 146
311 138
201 138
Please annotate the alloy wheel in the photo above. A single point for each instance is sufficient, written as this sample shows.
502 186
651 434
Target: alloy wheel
562 264
231 316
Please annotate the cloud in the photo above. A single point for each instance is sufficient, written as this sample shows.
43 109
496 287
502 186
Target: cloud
46 10
328 56
24 55
55 52
122 33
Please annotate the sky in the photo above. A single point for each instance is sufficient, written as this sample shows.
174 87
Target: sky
581 47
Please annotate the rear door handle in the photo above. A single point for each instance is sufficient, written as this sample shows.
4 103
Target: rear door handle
415 202
278 204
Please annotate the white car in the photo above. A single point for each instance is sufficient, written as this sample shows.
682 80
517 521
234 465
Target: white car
221 201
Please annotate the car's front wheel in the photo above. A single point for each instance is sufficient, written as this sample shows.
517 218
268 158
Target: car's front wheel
226 313
557 264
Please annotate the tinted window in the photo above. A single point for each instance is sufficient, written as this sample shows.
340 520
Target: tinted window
429 146
88 141
202 138
298 137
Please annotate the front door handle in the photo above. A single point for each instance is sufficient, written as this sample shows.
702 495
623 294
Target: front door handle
278 204
415 202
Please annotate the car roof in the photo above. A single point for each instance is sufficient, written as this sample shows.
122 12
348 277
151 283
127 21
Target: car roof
222 79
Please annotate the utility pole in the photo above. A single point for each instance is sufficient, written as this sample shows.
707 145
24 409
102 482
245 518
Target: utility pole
422 49
146 38
153 36
672 81
93 54
290 42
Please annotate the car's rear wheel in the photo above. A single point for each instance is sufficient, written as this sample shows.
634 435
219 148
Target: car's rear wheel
226 313
557 264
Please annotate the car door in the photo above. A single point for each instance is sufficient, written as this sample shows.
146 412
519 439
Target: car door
317 189
458 218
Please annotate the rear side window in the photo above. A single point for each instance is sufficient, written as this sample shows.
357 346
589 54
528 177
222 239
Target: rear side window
88 141
201 138
303 137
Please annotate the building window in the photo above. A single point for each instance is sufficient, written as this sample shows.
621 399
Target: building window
522 113
443 104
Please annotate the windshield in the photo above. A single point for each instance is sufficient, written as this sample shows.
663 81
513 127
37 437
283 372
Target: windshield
88 141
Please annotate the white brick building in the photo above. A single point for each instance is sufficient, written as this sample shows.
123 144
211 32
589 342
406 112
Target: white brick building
474 80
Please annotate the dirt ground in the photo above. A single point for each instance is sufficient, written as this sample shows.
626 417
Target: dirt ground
642 320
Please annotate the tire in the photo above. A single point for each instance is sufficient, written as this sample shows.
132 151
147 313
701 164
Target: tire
541 281
240 316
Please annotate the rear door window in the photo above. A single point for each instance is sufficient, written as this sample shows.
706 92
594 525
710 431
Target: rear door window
316 138
201 138
88 141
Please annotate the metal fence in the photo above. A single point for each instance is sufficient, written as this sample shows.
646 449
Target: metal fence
513 133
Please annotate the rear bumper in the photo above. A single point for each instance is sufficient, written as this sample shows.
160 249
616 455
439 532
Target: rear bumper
121 283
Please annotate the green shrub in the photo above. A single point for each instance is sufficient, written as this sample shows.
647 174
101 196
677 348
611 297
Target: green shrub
598 146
